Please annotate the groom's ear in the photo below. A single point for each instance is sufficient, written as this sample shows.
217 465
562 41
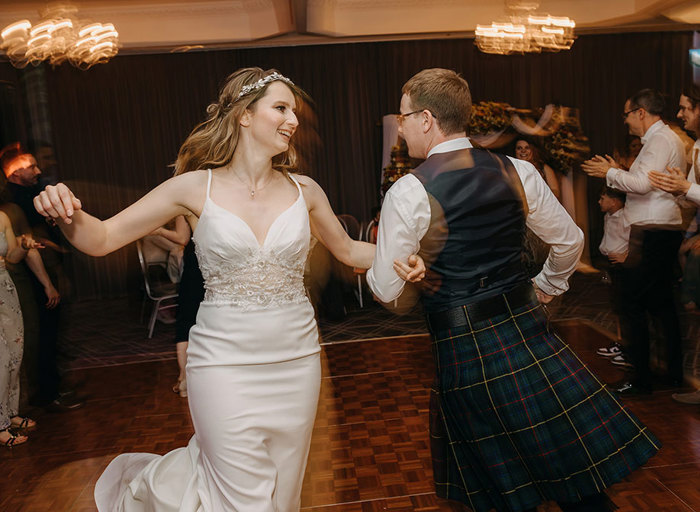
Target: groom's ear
428 123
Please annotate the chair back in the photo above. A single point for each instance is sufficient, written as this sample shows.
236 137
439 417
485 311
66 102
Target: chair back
369 232
144 267
351 226
151 270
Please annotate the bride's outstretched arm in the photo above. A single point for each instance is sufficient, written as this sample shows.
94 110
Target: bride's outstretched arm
96 237
327 228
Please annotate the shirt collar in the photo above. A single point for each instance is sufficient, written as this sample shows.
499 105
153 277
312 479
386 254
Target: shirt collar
451 145
652 130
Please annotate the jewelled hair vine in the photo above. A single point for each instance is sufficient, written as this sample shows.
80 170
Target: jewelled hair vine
272 77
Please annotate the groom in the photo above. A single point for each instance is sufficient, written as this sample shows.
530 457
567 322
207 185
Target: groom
464 211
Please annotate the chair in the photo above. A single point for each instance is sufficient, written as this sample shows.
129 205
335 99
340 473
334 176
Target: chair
369 232
158 292
354 231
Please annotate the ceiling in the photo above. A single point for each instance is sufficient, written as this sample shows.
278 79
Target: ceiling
181 25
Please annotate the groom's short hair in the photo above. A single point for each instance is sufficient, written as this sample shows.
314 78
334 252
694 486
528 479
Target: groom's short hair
444 93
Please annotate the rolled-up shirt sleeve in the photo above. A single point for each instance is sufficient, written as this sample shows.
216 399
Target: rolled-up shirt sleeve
404 220
549 220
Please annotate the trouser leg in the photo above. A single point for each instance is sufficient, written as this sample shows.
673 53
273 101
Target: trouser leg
47 364
663 250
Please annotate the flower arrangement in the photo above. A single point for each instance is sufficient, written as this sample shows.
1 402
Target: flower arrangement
557 130
488 117
566 146
399 166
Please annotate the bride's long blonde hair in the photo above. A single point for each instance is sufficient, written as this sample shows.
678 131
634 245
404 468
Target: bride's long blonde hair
213 142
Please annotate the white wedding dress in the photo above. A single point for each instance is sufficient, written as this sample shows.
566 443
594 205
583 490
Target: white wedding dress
253 378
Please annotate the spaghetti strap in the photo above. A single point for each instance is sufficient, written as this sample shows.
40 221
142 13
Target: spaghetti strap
295 182
209 183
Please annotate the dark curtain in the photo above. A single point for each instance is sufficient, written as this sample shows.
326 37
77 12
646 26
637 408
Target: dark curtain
118 126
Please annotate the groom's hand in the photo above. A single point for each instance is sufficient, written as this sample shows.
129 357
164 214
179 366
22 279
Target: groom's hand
413 271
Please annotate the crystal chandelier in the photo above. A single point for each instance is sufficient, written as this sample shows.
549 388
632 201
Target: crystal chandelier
525 31
59 36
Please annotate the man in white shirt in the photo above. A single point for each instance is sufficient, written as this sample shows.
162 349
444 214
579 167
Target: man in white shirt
512 405
655 220
685 186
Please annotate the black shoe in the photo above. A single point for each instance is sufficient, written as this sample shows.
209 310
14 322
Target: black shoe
65 404
629 390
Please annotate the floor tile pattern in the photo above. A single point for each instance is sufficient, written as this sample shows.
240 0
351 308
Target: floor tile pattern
369 449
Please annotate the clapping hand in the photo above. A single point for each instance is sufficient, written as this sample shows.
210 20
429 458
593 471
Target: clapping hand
598 166
413 271
674 181
57 202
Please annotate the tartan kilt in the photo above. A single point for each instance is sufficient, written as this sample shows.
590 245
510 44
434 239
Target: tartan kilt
517 418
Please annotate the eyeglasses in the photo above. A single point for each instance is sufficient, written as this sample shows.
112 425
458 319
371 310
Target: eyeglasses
400 117
625 114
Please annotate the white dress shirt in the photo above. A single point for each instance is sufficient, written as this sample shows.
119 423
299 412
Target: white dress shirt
645 204
693 193
616 233
405 219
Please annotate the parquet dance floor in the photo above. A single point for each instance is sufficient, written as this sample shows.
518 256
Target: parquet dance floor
370 447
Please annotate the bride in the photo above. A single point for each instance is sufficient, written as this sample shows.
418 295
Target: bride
253 368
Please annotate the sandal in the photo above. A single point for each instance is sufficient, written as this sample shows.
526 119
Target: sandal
13 439
22 423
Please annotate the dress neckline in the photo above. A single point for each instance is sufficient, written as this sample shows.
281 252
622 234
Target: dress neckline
250 230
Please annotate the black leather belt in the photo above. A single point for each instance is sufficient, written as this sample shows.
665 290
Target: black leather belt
481 310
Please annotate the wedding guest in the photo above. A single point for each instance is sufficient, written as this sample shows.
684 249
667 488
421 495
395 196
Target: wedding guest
24 275
525 150
626 158
23 183
11 337
169 240
615 246
655 220
685 186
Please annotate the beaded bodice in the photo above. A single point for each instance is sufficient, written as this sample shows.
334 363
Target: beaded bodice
238 271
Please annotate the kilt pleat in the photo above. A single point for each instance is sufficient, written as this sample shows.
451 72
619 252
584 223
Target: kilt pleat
517 418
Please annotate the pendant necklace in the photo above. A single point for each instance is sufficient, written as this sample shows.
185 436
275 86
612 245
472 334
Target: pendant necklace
251 189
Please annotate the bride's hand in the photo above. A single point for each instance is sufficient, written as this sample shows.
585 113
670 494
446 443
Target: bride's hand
57 202
413 271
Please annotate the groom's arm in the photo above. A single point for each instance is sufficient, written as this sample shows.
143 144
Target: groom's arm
404 220
548 219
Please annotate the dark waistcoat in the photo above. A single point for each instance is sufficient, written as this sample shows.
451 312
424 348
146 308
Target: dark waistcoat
474 243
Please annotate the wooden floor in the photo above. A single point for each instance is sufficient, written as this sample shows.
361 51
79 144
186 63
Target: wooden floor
370 447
